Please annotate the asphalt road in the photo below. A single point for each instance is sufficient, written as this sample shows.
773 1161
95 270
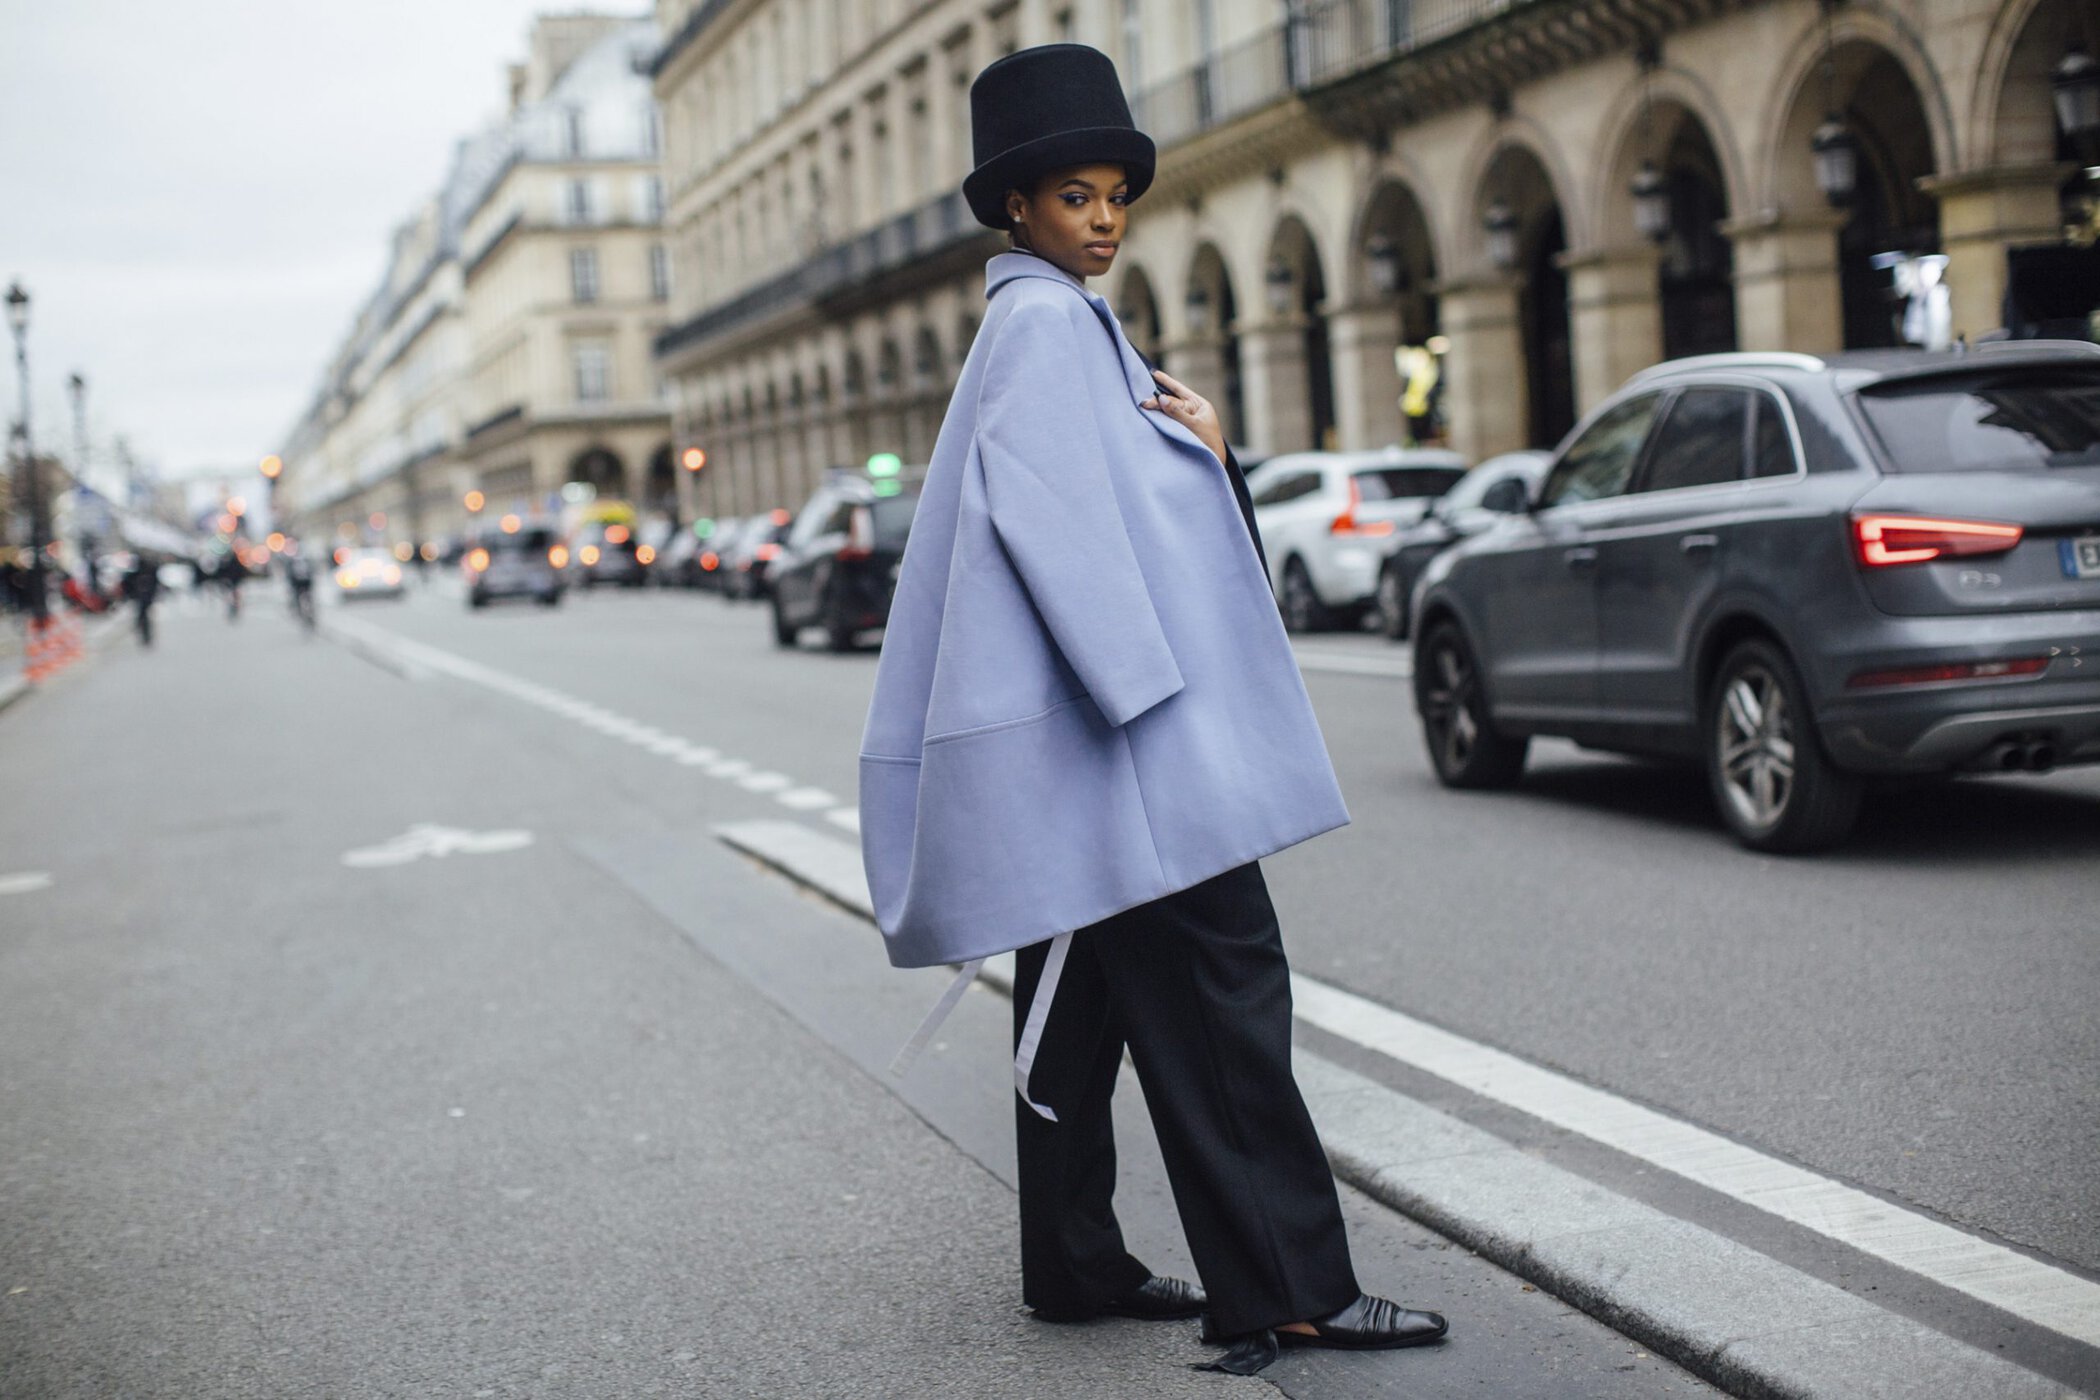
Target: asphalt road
1914 1013
367 1036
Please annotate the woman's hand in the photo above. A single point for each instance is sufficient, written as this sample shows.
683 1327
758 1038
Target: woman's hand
1190 409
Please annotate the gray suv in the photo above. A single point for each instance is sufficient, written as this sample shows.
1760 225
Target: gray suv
1804 573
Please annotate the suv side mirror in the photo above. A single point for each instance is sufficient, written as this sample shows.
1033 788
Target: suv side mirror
1509 496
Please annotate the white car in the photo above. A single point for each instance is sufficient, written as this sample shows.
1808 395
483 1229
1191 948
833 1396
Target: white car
1327 521
369 573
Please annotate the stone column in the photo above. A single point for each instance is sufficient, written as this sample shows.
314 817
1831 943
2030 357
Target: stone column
1614 318
1199 362
1786 283
1486 379
1982 213
1367 383
1277 393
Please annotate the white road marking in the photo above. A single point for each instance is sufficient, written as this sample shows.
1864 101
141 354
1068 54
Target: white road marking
436 842
2027 1288
611 724
1399 666
25 882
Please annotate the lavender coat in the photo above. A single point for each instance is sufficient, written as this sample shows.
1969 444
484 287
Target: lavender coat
1085 699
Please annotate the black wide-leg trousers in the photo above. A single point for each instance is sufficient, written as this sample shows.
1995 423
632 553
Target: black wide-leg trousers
1197 985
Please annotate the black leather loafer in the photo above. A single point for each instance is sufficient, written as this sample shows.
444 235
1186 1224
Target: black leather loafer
1158 1299
1155 1300
1369 1324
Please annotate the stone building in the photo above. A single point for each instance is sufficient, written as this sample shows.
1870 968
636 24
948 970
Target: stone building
1552 193
507 350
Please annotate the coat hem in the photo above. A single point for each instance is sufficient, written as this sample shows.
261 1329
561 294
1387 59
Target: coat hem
1008 943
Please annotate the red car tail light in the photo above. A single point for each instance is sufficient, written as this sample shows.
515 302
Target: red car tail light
1882 540
1346 524
1950 671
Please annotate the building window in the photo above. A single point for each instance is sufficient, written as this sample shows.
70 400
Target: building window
573 133
593 364
583 274
652 199
659 272
579 201
652 130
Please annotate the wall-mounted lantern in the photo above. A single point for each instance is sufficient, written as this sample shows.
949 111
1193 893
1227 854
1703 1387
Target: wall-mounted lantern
1382 256
1651 203
1500 225
1836 153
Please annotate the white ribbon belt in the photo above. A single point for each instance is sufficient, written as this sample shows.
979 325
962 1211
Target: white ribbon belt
1031 1030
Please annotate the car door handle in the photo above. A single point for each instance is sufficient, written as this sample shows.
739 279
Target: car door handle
1581 557
1699 544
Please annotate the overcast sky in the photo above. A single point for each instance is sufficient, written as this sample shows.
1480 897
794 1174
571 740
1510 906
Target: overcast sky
198 196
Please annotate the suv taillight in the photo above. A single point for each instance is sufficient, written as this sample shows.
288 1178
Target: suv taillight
1881 540
1345 523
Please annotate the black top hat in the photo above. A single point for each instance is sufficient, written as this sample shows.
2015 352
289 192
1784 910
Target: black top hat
1034 111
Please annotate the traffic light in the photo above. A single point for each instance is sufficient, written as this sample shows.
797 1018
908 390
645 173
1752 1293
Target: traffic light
273 466
694 459
884 464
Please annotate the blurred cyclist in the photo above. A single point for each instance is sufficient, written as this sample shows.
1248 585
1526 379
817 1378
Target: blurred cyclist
299 573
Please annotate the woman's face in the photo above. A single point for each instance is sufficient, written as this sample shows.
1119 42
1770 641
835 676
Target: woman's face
1075 217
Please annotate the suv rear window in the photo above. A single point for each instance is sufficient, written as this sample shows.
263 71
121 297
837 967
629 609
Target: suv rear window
2009 421
523 542
893 519
1405 483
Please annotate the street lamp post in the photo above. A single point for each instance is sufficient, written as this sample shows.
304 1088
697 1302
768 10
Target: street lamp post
18 321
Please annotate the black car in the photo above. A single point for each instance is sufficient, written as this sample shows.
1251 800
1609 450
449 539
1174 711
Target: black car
837 568
1497 487
608 552
522 563
1804 573
747 563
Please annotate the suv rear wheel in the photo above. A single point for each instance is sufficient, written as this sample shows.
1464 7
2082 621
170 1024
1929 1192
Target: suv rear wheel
1775 787
784 632
1392 602
1465 748
1302 608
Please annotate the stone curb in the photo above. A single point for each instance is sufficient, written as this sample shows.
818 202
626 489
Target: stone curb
1739 1319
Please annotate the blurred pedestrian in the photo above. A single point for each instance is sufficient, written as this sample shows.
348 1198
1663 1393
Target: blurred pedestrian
142 588
230 571
1087 727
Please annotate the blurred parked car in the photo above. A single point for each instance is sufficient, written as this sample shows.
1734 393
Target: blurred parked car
678 561
837 568
608 552
522 563
1804 573
368 573
747 562
1323 515
712 575
1497 487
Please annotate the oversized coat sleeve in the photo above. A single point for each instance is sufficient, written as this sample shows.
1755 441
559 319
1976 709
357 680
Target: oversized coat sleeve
1054 508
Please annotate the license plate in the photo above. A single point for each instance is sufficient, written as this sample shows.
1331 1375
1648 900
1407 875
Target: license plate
2081 556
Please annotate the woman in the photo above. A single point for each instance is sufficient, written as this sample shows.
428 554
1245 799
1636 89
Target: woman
1087 728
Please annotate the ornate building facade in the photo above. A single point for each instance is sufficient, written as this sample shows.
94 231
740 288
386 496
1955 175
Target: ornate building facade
506 353
1551 193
